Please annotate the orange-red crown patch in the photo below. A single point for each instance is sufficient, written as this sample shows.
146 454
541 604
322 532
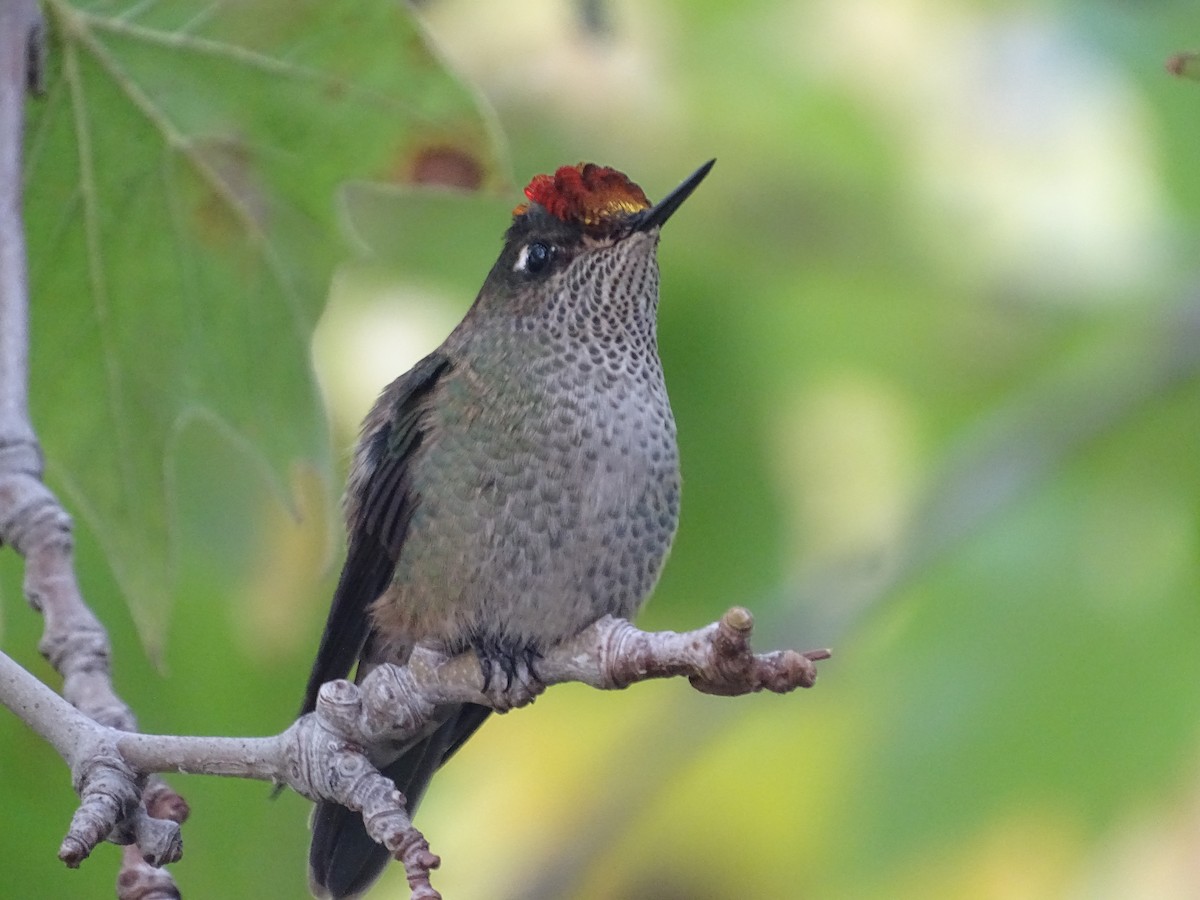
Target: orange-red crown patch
586 193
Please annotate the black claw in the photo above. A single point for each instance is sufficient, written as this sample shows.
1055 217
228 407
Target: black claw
486 667
508 656
532 655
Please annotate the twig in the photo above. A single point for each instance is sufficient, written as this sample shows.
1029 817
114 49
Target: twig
35 525
326 755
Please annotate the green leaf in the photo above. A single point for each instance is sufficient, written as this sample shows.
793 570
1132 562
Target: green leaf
180 180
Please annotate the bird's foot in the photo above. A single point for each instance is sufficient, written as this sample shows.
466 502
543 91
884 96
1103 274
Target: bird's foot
510 677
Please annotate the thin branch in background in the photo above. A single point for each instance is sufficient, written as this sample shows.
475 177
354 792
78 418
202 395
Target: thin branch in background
595 18
32 520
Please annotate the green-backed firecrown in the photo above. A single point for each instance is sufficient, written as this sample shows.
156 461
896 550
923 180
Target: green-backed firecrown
518 483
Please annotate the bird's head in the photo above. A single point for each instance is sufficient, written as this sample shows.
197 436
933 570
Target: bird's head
586 233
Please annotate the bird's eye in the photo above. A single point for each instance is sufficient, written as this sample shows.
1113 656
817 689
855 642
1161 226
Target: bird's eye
534 258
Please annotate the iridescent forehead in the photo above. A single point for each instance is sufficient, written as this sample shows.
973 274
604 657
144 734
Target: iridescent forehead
586 194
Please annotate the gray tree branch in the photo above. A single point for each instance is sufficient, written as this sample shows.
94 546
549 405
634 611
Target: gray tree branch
35 525
326 755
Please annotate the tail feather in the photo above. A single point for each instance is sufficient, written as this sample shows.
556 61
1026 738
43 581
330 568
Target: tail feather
343 860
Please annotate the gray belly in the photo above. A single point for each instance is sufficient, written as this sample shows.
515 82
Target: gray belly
529 529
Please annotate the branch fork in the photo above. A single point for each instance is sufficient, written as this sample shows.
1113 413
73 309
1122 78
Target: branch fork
328 754
393 704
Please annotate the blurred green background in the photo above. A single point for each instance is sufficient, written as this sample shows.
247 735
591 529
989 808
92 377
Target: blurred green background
932 334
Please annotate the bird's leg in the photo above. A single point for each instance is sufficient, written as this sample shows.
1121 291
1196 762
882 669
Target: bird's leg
517 662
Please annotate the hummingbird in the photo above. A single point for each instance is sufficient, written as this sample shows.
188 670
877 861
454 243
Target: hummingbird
517 484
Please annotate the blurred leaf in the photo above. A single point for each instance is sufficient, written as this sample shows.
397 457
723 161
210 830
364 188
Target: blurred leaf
404 229
180 177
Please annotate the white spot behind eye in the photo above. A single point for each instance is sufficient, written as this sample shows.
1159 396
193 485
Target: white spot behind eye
522 259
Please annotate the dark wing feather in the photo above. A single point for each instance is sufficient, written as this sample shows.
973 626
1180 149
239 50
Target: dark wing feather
379 508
